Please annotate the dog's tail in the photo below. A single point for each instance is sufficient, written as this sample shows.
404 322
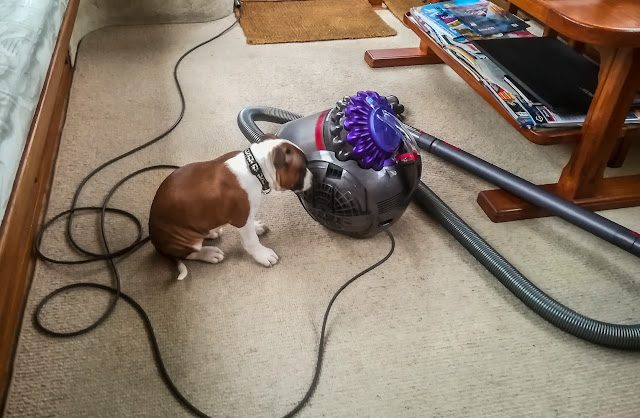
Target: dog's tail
182 269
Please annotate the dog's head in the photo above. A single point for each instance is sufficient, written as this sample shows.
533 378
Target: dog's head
290 164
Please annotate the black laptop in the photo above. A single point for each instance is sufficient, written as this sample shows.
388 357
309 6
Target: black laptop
546 69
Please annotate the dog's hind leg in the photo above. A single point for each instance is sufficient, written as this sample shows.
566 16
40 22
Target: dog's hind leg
208 254
261 228
214 233
211 255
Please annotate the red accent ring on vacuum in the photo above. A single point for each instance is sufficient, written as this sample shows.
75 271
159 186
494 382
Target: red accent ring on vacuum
319 141
411 156
635 233
452 146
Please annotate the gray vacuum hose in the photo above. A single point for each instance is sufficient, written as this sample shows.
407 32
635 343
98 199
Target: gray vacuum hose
248 117
597 332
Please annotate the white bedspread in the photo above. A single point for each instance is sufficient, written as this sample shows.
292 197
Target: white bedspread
28 33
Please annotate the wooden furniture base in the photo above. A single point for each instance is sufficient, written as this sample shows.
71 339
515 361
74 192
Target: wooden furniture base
29 196
622 149
602 140
380 58
612 193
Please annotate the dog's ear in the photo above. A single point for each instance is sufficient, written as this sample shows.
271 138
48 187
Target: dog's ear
291 166
282 156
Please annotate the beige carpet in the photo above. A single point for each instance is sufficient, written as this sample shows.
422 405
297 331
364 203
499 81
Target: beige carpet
96 14
429 334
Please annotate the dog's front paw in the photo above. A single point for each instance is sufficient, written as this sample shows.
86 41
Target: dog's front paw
266 256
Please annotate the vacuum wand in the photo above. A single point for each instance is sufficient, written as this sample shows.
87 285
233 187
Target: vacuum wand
602 227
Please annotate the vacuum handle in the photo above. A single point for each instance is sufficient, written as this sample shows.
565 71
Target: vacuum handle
591 222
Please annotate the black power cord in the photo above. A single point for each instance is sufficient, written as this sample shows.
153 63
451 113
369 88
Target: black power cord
316 373
109 256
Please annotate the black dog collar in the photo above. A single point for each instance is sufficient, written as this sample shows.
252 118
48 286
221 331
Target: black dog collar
256 170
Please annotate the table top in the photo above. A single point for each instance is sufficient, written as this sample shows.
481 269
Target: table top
599 22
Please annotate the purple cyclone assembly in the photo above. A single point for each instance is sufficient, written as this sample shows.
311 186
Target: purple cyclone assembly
373 140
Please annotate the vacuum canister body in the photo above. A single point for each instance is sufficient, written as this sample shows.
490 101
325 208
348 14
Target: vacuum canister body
364 173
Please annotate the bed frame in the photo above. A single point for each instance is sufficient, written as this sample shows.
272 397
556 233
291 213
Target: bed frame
29 196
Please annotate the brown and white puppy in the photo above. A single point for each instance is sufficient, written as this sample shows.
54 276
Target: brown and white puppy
196 200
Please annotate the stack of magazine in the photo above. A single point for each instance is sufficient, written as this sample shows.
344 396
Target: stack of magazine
456 24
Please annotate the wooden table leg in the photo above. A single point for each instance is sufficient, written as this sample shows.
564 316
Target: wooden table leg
620 79
622 149
380 58
577 46
582 179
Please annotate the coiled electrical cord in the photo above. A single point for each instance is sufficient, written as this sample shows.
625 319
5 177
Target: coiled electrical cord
110 255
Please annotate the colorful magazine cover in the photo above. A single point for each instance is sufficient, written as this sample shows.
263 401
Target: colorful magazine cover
485 18
450 24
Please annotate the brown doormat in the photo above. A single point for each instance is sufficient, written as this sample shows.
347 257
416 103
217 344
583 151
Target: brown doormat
400 7
270 22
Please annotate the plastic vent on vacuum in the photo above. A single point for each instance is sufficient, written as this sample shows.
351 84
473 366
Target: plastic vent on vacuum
333 171
391 203
324 197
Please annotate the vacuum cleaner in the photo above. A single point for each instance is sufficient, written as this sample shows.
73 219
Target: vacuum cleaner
364 171
367 170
